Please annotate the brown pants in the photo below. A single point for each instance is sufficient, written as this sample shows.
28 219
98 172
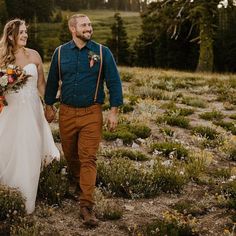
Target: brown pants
80 131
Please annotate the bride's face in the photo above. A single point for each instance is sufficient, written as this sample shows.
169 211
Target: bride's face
22 36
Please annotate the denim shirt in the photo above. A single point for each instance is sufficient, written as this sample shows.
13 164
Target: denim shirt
79 78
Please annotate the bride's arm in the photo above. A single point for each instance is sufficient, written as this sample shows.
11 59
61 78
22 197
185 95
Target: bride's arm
41 79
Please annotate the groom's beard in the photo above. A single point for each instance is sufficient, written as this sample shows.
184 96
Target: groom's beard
85 36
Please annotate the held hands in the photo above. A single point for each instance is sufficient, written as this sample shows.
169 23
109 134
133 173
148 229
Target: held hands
112 119
49 113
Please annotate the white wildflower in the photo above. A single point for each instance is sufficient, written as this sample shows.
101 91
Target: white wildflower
156 152
167 163
64 171
232 178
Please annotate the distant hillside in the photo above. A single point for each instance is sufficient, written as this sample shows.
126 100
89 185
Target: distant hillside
102 21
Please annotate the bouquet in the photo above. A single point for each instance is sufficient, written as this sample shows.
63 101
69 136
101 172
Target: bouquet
12 78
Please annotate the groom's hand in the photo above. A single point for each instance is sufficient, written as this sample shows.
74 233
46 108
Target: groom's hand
50 113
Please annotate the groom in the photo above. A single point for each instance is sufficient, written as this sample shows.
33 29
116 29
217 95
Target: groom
83 65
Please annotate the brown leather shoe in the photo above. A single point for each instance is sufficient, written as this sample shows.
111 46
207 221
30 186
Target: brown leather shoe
89 218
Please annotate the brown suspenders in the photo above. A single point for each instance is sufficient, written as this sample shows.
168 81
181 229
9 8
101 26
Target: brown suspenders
99 73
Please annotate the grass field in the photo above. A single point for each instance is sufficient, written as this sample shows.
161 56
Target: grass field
168 169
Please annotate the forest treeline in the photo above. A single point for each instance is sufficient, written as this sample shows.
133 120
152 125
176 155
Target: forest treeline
185 34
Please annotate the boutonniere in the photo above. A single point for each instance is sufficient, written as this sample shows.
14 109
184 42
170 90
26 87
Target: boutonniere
93 58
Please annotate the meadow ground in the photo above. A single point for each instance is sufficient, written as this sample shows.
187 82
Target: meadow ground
169 169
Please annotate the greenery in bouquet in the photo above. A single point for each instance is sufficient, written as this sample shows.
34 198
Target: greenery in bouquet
12 78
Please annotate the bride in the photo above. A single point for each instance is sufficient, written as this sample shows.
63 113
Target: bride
25 136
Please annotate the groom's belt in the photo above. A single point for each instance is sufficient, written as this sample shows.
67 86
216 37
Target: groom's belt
81 107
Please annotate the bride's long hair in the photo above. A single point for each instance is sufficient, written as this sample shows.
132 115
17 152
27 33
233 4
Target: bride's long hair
8 41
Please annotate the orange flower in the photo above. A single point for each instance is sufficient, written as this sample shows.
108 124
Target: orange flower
10 71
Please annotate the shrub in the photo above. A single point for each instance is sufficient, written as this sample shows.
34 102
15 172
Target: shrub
127 133
222 173
121 178
212 143
25 227
126 136
174 120
106 209
126 153
229 189
167 131
147 92
180 111
169 105
233 116
141 131
12 204
228 106
205 131
226 94
229 126
168 179
133 100
196 164
187 207
109 136
194 102
212 115
53 182
164 85
170 148
232 153
173 224
126 76
112 211
185 111
125 108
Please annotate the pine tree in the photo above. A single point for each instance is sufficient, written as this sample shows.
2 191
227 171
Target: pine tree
29 9
3 14
225 43
171 16
65 34
34 39
119 42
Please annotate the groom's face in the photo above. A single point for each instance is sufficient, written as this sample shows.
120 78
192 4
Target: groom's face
83 29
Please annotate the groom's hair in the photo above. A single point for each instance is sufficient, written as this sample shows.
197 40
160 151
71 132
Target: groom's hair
73 18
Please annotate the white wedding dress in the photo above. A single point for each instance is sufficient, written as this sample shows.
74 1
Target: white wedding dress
25 139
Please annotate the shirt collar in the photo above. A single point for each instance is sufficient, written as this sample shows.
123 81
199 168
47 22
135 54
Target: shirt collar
89 45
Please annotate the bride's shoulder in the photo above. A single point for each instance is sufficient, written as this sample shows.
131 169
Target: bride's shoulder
33 55
31 52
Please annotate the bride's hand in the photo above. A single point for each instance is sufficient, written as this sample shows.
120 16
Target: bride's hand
50 113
